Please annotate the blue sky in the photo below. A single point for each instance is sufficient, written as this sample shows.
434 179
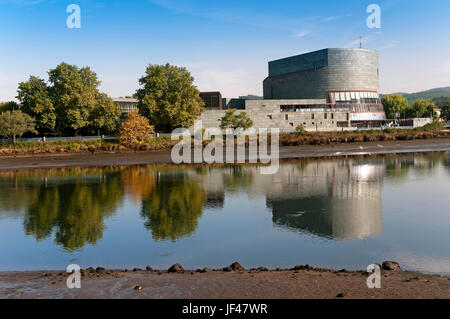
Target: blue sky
225 44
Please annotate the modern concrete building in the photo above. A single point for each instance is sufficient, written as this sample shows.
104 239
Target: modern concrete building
326 90
316 75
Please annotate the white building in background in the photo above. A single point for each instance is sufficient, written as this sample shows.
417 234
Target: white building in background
127 105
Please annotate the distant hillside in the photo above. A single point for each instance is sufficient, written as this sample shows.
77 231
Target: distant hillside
428 94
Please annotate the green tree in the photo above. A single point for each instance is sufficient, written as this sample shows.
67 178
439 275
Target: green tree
445 112
422 108
168 98
69 103
75 95
35 101
394 103
300 130
14 124
105 115
8 106
441 101
231 120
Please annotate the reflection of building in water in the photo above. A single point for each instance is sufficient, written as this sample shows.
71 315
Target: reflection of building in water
335 199
344 204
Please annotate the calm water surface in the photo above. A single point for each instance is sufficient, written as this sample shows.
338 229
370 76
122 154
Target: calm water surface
345 213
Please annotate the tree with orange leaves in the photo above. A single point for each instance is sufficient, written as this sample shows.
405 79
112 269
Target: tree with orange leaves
135 130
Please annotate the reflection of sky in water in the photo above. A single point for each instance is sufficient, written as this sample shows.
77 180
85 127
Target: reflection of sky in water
338 214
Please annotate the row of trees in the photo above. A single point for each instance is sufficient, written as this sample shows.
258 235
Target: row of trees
441 101
396 104
70 102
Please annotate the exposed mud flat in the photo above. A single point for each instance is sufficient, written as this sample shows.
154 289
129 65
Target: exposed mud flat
164 157
233 282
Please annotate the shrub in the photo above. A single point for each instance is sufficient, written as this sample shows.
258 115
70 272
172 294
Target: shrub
300 130
135 130
435 126
231 120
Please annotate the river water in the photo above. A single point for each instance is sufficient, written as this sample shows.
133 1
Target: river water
344 213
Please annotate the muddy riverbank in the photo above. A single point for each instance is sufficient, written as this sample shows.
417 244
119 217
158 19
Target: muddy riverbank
286 152
300 283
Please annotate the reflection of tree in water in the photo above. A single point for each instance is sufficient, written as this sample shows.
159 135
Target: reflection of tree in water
71 205
426 163
173 208
398 167
237 178
14 195
446 162
138 181
76 211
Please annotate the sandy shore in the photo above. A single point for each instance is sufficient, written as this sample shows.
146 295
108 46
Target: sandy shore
154 157
241 284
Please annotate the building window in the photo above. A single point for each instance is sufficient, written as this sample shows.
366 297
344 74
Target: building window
325 116
312 116
269 116
286 117
332 116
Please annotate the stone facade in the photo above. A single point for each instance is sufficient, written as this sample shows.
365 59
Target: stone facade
269 114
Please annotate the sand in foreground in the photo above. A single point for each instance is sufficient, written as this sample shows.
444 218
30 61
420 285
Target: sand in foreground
287 284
